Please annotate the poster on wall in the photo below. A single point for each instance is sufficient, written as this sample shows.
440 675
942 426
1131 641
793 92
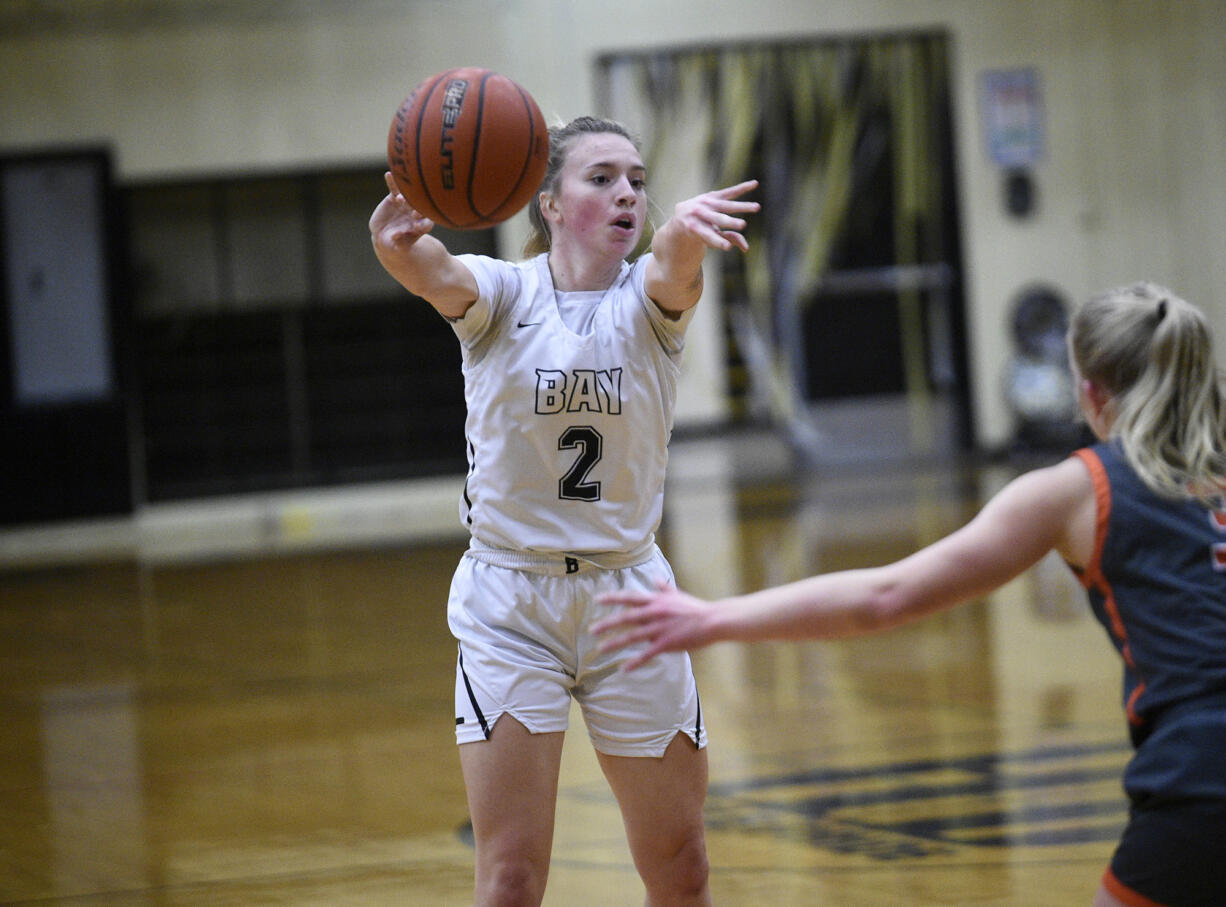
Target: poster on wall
1012 115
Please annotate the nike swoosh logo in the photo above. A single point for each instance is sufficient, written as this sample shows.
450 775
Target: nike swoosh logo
527 324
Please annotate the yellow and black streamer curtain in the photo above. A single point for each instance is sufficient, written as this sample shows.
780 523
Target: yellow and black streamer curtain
793 116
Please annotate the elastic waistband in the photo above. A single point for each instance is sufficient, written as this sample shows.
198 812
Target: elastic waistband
560 563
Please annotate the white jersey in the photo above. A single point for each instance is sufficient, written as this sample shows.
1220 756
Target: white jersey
567 433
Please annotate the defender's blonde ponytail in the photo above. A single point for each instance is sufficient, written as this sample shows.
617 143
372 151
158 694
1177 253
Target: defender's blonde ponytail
1153 352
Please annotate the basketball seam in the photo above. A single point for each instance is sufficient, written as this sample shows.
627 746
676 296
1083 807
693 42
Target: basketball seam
523 168
476 151
421 115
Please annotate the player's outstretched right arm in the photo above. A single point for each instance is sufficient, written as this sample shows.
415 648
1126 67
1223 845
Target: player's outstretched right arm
418 261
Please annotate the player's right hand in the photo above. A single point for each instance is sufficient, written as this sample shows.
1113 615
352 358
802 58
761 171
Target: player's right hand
396 222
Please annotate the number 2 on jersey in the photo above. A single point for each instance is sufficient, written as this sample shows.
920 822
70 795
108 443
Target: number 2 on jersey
574 486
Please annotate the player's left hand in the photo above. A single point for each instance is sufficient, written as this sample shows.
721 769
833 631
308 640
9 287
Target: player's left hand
667 620
713 217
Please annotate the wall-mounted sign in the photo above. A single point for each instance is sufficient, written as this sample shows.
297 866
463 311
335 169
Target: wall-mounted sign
1012 112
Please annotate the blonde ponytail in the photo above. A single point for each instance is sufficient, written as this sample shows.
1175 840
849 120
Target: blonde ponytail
1153 352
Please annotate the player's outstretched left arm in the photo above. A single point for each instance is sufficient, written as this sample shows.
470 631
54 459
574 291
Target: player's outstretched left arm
711 220
1051 508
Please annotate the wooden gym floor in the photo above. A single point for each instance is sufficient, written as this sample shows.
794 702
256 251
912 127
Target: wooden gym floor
276 727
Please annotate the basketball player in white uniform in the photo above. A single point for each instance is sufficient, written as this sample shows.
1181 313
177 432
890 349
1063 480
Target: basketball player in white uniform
570 364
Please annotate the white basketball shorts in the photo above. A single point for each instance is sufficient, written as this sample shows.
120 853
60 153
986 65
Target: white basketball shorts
525 650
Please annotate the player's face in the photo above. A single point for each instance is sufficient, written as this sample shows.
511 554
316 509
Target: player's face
602 194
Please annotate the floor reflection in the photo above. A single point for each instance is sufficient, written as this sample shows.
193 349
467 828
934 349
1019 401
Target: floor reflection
278 729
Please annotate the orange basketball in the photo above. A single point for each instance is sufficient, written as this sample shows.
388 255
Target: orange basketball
468 148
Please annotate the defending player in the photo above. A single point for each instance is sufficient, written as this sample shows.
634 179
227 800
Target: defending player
570 364
1139 516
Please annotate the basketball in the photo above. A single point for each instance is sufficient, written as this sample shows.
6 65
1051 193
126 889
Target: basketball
468 148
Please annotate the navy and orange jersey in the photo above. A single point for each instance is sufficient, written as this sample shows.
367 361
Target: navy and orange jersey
1157 583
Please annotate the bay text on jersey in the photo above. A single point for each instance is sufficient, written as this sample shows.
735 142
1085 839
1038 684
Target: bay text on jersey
582 390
